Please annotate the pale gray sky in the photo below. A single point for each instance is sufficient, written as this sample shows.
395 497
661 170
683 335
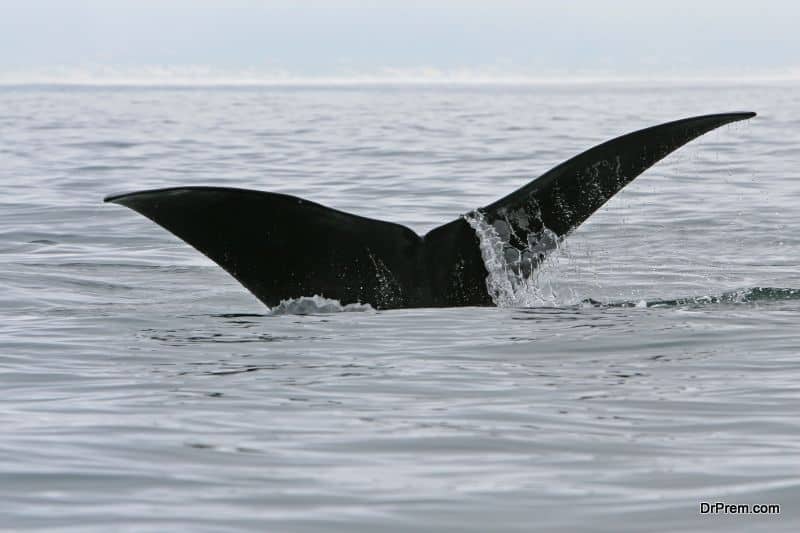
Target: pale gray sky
340 38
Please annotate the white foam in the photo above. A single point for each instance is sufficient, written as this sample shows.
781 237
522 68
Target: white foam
315 305
508 284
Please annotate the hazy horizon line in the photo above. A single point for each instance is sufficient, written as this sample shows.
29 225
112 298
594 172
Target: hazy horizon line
209 76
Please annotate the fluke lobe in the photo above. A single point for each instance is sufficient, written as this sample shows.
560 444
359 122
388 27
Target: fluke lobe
280 246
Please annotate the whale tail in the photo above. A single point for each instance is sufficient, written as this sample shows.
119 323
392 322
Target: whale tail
280 246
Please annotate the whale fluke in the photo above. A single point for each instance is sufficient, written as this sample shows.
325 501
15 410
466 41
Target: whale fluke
280 246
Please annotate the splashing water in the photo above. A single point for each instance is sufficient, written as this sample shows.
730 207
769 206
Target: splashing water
312 305
510 286
508 282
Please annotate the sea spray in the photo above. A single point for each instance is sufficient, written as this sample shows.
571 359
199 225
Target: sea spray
516 278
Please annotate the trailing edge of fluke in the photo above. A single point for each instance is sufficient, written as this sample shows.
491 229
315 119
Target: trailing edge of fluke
280 246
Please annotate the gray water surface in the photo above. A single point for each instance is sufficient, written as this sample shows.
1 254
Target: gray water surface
145 390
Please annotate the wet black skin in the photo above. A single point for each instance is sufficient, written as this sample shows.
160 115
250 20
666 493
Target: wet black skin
280 246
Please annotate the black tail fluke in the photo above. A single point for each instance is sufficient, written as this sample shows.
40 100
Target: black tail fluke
531 220
281 247
565 196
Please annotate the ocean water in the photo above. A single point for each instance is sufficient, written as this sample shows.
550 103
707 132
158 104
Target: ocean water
657 366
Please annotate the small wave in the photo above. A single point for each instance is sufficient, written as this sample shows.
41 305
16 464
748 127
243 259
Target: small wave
314 305
99 145
739 296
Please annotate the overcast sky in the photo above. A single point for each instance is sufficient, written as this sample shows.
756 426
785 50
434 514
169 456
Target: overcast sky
340 38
